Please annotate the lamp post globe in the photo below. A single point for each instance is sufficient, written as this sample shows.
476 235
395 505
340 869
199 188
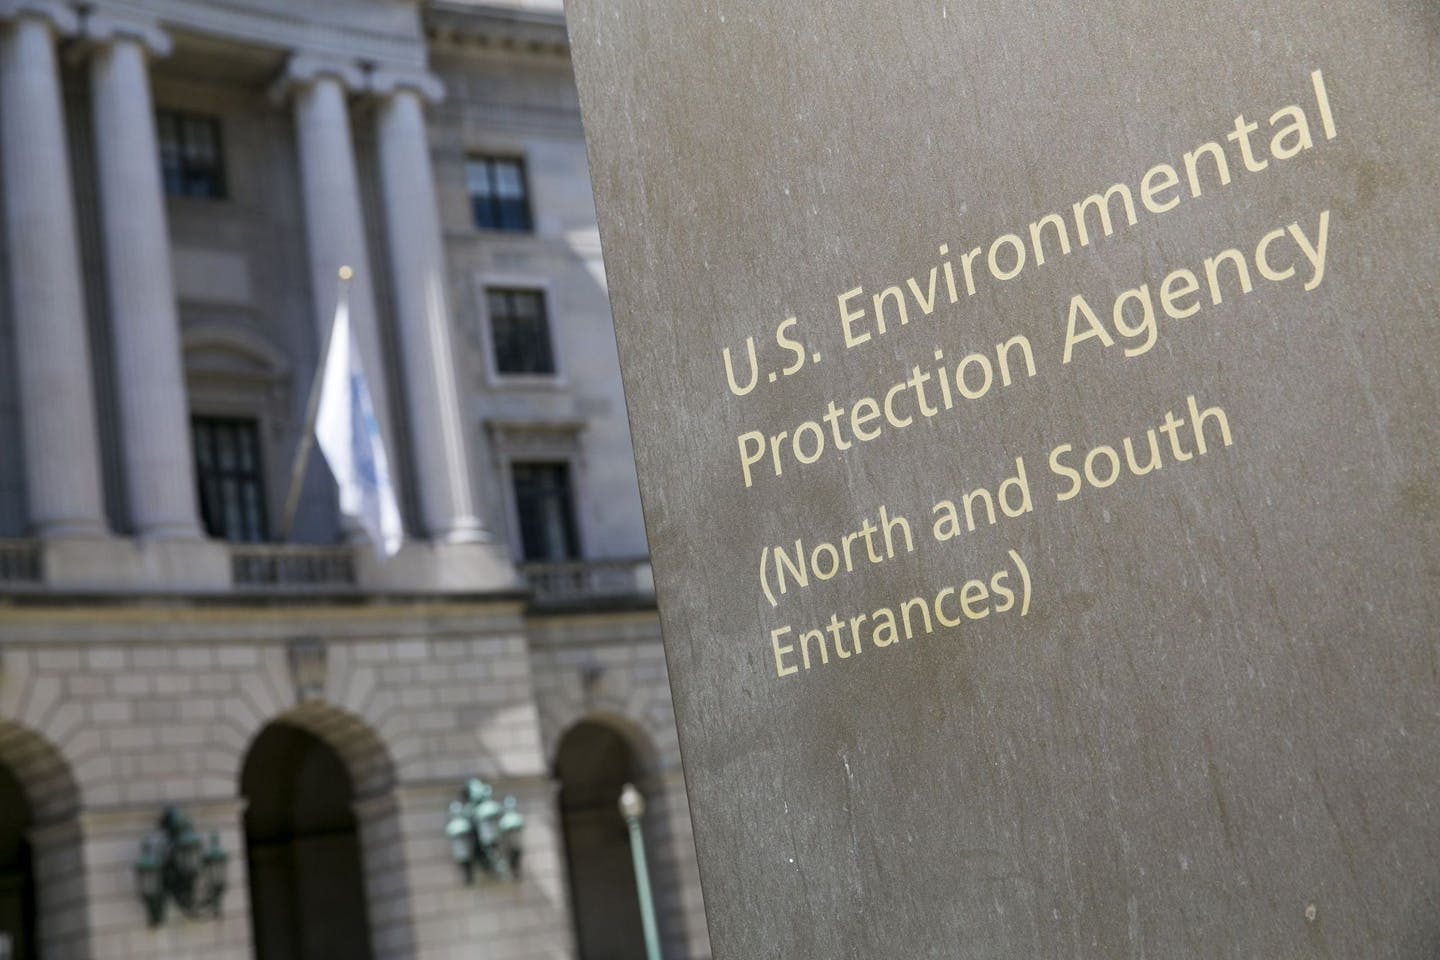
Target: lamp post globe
632 803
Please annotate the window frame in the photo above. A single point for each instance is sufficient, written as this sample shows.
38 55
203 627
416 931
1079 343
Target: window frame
571 503
489 159
495 377
542 334
220 174
540 441
258 475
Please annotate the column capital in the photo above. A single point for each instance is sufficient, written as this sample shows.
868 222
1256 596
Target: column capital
386 82
105 27
303 69
61 16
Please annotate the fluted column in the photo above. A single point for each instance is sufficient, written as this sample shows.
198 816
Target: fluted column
334 222
149 374
57 397
419 279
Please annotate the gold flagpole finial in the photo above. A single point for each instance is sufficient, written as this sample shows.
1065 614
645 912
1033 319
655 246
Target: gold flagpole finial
346 273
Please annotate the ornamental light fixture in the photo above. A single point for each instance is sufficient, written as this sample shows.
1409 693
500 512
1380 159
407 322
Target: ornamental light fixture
177 864
484 832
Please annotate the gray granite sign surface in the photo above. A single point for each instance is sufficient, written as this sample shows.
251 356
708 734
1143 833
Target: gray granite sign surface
1036 416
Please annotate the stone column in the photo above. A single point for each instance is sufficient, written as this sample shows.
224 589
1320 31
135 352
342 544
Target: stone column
149 375
57 394
334 221
420 279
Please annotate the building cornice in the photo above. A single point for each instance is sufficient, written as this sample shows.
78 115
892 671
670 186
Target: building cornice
496 27
284 29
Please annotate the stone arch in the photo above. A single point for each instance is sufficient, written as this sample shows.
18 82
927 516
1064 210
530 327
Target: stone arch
647 755
318 732
50 843
48 781
359 745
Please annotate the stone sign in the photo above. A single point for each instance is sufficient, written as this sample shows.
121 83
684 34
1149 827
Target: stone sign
1035 408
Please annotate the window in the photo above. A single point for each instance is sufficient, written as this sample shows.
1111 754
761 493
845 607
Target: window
499 197
520 332
546 511
191 160
232 491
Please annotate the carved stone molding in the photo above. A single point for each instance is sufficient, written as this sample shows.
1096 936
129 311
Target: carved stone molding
307 660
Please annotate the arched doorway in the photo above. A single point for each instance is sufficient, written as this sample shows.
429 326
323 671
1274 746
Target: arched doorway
593 763
307 882
41 912
17 873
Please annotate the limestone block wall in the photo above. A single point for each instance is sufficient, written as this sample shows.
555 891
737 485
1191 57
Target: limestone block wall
108 713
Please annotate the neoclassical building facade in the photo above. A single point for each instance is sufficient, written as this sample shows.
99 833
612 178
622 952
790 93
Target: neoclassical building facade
180 182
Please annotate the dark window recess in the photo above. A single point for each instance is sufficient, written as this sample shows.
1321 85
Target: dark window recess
232 489
521 331
191 160
499 196
547 512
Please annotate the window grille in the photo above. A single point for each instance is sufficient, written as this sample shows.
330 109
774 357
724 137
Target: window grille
544 502
191 158
232 488
499 193
520 332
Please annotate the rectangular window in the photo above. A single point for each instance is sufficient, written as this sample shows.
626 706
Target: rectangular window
232 488
520 332
499 196
191 159
546 509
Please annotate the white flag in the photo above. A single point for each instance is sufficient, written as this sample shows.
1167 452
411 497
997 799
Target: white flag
349 436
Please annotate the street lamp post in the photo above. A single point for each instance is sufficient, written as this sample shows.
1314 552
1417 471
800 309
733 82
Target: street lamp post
632 808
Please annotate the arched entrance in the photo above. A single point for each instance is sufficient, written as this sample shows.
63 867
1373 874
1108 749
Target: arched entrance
40 850
593 763
17 873
307 880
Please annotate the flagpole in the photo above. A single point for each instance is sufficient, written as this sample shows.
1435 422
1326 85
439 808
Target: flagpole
312 408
